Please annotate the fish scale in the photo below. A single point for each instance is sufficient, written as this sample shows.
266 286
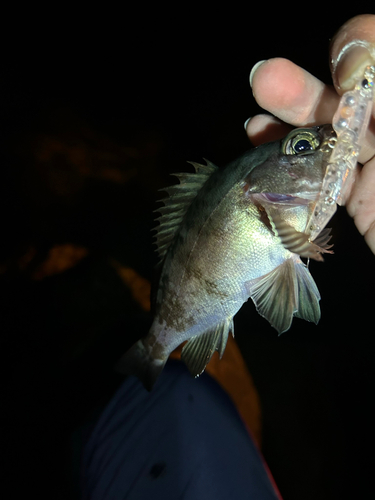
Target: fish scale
227 235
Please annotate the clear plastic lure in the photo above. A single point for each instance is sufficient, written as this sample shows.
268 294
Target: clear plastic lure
350 123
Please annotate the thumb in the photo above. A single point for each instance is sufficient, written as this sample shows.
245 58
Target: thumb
352 49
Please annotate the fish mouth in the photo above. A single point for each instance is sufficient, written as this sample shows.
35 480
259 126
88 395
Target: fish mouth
328 144
301 198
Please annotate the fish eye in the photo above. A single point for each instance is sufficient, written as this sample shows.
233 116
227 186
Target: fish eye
302 145
300 141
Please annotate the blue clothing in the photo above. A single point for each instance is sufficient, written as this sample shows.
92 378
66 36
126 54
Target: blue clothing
184 440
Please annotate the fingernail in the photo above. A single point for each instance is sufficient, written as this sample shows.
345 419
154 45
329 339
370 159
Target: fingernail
253 70
246 122
351 63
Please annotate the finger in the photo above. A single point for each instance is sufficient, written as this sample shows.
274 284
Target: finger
292 94
297 97
265 128
352 49
361 204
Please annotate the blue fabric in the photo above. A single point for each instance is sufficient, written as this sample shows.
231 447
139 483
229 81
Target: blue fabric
184 440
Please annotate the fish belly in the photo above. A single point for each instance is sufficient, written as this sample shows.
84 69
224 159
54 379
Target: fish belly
208 284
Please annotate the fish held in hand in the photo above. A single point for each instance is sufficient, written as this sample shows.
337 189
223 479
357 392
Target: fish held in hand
227 235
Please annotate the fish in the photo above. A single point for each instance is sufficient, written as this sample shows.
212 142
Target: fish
229 234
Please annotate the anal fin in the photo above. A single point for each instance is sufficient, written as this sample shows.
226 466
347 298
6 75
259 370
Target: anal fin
198 351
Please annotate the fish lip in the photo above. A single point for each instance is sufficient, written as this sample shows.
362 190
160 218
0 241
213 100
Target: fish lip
314 188
328 137
300 198
309 196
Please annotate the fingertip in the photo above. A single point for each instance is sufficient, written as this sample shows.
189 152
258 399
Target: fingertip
293 94
351 64
254 69
352 49
265 128
278 86
246 124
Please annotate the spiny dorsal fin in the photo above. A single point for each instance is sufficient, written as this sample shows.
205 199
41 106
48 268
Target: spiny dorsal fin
198 351
177 203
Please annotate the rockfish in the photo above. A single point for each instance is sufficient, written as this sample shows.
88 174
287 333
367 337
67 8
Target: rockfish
227 235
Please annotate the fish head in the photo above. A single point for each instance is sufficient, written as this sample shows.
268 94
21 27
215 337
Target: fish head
296 165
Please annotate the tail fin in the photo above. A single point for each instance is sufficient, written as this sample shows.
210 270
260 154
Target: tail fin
138 361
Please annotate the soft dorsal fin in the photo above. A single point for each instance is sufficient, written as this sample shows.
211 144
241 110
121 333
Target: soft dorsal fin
198 351
177 203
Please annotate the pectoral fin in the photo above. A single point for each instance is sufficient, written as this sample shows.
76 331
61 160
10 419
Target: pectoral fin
293 240
298 242
198 351
289 290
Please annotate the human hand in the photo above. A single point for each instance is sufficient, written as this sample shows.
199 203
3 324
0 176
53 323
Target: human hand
295 97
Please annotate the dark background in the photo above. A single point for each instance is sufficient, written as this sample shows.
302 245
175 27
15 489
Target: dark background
97 110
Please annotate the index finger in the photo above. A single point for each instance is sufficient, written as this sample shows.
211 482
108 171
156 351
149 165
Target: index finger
292 94
296 97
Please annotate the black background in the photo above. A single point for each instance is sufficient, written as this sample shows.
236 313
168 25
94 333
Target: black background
149 91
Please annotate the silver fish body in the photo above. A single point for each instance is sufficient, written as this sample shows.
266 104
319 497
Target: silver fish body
227 235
